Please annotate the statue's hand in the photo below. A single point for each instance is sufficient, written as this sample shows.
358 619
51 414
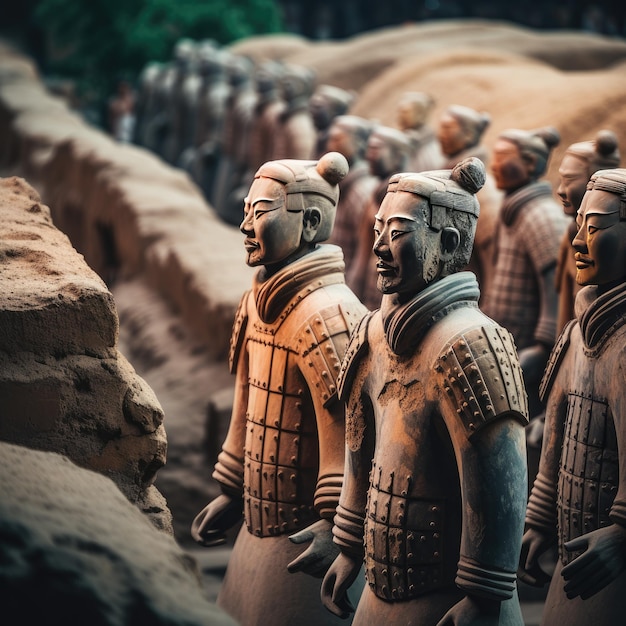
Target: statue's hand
210 525
316 559
534 544
340 576
472 611
603 559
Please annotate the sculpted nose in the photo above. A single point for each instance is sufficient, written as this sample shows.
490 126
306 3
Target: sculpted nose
246 225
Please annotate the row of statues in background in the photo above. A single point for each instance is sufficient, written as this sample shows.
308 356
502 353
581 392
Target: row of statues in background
401 432
384 451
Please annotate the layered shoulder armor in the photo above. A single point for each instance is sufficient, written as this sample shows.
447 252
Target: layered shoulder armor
323 339
357 349
480 373
554 362
239 332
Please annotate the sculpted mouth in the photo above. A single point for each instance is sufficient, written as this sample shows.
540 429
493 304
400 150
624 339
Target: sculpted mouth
385 270
582 262
250 245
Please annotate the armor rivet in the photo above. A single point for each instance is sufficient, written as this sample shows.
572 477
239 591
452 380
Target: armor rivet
472 426
436 535
275 437
296 441
293 459
436 555
411 588
276 423
324 374
256 504
308 330
422 538
281 474
489 407
297 426
444 357
264 474
435 509
298 405
292 478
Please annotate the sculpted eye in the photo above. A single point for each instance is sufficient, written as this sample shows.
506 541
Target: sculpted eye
396 233
591 229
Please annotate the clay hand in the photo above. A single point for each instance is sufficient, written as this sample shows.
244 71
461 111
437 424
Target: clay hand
316 559
338 579
471 611
534 544
210 525
602 561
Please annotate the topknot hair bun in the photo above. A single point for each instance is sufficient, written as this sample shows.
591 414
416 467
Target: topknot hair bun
469 174
606 142
332 167
550 136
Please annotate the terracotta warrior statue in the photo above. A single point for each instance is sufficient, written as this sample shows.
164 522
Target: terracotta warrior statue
579 162
460 132
435 481
325 104
387 152
295 135
412 112
348 135
281 465
522 295
578 500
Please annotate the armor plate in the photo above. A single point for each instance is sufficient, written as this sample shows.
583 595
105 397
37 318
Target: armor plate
481 375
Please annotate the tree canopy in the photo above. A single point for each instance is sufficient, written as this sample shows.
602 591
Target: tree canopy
98 41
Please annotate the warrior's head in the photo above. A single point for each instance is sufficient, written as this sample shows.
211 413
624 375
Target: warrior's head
413 109
424 229
461 128
520 157
600 243
290 207
348 134
579 162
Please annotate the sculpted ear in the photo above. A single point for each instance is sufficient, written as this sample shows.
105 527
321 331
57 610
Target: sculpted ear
311 220
449 242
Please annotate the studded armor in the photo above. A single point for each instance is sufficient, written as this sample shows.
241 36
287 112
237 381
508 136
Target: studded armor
581 482
284 450
421 419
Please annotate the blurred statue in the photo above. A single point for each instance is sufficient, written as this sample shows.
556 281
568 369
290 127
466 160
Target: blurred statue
348 135
413 111
435 479
121 112
295 136
579 162
211 100
459 132
152 112
180 70
325 104
234 139
522 295
387 153
578 500
281 464
269 107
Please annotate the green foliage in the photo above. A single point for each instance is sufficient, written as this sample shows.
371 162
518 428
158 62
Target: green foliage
95 42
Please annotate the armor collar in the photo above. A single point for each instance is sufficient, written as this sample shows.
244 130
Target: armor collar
600 316
513 202
323 266
406 325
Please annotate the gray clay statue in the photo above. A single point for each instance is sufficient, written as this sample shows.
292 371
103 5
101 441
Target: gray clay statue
387 152
522 295
578 500
412 113
579 162
281 465
348 135
435 481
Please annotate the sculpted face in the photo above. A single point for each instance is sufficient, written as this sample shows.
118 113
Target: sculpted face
379 157
600 243
407 249
342 141
510 170
451 135
273 234
574 176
